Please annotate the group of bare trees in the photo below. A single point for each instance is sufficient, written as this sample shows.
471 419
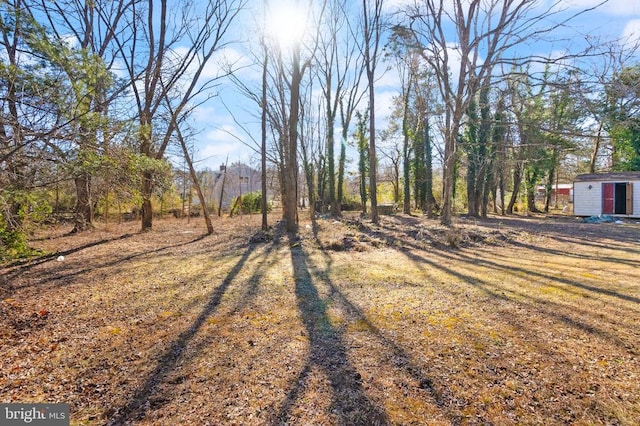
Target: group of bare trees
98 90
95 92
471 102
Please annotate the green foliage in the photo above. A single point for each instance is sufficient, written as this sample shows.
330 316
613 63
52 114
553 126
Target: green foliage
362 144
385 192
623 122
160 171
626 142
13 244
252 201
30 207
350 203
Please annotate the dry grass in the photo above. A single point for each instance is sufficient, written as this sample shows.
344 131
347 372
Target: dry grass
504 321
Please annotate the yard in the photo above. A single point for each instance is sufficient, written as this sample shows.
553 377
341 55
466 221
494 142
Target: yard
501 321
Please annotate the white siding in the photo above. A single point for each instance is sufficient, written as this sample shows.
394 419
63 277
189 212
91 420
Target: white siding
636 199
587 202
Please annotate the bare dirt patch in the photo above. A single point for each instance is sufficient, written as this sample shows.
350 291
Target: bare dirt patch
501 321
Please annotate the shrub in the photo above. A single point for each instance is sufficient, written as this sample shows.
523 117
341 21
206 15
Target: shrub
251 202
13 244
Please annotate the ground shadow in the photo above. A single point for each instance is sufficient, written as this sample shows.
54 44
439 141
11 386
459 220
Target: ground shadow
349 404
23 265
62 278
135 408
562 227
442 396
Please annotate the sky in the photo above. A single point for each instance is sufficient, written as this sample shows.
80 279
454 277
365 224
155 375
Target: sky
223 122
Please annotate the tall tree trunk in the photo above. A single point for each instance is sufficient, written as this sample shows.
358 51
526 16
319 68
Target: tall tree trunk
362 145
196 183
372 28
428 168
373 182
517 181
331 166
83 219
406 161
147 177
263 142
291 171
406 176
596 149
531 178
419 167
549 189
448 178
503 188
341 165
486 191
309 178
147 210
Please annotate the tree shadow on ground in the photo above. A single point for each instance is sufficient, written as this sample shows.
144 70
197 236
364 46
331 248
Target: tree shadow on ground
573 318
23 265
135 408
350 404
63 278
563 227
444 399
438 257
395 240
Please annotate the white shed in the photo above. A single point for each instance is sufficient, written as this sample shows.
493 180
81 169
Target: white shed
616 194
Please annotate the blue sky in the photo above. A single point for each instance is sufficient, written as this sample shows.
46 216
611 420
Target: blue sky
219 132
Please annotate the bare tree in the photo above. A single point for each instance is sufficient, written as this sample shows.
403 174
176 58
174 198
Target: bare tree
263 137
192 171
339 68
370 48
612 57
406 63
464 59
172 44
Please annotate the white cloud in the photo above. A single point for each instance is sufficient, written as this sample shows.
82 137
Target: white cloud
217 144
390 78
384 106
631 31
612 7
71 41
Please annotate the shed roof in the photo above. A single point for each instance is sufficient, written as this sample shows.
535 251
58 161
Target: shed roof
608 177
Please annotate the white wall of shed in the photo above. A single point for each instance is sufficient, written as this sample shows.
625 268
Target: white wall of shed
588 202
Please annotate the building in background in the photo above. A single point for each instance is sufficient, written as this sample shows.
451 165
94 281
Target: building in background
561 193
233 181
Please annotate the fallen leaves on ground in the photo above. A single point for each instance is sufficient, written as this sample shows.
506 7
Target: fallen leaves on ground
497 321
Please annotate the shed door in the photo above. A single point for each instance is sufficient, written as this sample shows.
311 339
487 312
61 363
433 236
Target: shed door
608 198
629 198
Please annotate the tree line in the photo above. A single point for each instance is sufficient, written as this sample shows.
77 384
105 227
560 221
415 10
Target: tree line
95 95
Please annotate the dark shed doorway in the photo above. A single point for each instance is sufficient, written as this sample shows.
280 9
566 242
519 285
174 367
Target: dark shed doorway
617 198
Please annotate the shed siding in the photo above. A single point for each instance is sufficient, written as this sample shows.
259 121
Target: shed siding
588 202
